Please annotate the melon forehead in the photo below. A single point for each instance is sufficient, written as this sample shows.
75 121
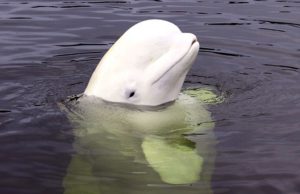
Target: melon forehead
140 49
144 43
153 28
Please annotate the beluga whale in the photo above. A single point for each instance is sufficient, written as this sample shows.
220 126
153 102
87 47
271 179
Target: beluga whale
135 130
146 66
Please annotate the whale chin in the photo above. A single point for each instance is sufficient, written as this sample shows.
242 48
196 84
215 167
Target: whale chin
147 65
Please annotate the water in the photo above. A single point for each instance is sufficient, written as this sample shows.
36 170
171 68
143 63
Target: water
249 51
128 150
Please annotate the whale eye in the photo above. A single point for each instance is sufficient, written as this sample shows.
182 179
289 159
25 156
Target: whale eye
131 94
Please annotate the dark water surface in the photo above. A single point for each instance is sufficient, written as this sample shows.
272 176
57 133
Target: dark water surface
250 51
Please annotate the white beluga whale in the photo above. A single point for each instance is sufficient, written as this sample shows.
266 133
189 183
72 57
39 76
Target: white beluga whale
146 66
133 127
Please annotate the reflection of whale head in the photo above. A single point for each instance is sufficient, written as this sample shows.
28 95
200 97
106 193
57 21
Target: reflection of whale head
146 66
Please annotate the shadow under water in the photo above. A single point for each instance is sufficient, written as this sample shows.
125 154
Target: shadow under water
127 150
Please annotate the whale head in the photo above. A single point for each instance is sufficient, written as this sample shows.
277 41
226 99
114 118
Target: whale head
147 65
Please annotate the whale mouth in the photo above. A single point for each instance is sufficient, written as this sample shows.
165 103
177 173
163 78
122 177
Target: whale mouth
194 41
193 45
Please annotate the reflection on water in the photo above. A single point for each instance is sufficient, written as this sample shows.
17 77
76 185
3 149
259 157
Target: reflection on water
126 150
249 51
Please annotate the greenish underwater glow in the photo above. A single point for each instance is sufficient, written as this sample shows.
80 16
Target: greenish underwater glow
205 95
128 150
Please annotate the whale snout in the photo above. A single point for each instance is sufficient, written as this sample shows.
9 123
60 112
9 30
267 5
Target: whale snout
191 39
195 41
194 38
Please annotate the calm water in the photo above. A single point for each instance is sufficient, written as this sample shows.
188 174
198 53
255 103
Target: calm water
250 51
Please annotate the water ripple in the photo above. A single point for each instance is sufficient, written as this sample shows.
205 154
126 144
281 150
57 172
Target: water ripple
249 52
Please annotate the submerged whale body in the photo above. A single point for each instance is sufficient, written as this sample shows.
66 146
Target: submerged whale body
146 66
124 149
132 125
